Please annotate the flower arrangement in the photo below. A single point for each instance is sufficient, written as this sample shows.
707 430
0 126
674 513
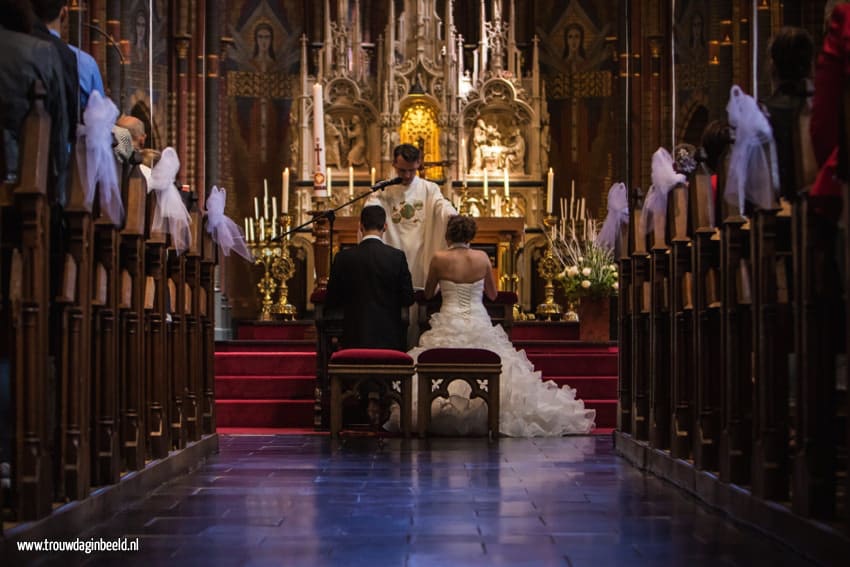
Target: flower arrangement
589 269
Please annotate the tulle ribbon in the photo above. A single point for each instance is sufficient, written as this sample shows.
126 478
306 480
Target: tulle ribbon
753 175
170 214
100 116
664 178
222 229
618 215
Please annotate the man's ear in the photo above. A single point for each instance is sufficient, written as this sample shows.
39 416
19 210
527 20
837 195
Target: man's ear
63 13
384 229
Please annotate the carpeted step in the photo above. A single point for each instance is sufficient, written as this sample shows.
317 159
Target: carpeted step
589 387
265 387
295 345
575 364
276 330
539 330
264 413
606 412
265 363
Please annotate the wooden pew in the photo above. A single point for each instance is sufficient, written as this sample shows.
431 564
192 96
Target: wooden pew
132 361
106 455
27 230
177 348
706 267
625 312
157 369
192 325
735 348
659 335
75 400
682 356
641 299
206 311
772 334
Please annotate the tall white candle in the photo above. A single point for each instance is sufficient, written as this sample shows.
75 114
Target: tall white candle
262 229
486 195
372 178
265 198
350 181
256 208
247 232
507 185
572 197
274 208
550 190
318 131
284 194
252 236
330 183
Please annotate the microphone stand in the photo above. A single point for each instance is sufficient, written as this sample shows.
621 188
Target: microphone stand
329 214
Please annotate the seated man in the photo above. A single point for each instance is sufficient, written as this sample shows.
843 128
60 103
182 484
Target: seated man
137 130
371 283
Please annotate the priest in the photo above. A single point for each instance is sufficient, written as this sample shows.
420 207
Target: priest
417 213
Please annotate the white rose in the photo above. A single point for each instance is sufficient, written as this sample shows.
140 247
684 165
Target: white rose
585 272
615 285
585 284
572 271
580 259
613 267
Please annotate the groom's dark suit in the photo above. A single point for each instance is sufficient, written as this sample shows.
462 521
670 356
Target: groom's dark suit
371 282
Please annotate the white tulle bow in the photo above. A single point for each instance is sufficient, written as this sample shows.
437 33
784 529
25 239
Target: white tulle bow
664 178
222 229
170 214
618 215
101 167
753 175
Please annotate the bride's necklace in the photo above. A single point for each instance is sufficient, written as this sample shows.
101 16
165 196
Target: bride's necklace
458 245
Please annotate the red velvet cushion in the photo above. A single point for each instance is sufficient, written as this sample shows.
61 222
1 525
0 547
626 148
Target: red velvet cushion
370 356
459 355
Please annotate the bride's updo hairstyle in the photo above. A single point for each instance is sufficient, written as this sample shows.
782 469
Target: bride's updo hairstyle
461 228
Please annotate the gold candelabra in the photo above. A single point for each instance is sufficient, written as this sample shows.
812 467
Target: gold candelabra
273 255
549 268
283 268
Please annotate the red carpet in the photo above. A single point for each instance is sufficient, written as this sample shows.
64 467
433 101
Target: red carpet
265 379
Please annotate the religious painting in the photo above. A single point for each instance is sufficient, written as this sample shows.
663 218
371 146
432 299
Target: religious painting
260 85
578 56
692 62
146 72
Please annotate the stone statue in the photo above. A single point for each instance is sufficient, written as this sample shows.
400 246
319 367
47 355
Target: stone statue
333 141
357 136
515 152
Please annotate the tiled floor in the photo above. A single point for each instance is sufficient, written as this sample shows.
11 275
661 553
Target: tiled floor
305 501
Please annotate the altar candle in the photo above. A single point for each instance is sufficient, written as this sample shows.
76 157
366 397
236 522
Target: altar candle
251 226
350 181
265 198
372 178
485 185
319 126
284 193
274 224
507 185
550 188
256 208
247 232
581 210
274 208
262 229
330 183
573 210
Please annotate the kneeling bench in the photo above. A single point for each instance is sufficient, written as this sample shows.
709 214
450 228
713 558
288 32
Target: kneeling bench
349 368
439 367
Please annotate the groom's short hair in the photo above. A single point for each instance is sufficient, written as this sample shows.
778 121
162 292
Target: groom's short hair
373 217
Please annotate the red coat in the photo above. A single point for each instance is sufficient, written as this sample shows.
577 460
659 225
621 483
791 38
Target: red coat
833 68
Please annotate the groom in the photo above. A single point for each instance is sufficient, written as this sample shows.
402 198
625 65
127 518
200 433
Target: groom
371 283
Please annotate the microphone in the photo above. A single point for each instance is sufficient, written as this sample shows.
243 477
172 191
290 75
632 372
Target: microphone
385 183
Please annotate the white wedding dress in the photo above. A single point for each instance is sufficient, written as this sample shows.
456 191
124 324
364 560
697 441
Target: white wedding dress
529 406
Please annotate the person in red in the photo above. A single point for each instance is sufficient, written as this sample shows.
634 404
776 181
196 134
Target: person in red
833 68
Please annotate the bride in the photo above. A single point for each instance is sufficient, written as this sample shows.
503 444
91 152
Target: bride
529 406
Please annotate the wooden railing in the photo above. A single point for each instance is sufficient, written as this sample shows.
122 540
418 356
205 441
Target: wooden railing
107 332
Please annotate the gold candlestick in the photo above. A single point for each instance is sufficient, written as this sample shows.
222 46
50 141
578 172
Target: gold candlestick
264 253
549 268
282 269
